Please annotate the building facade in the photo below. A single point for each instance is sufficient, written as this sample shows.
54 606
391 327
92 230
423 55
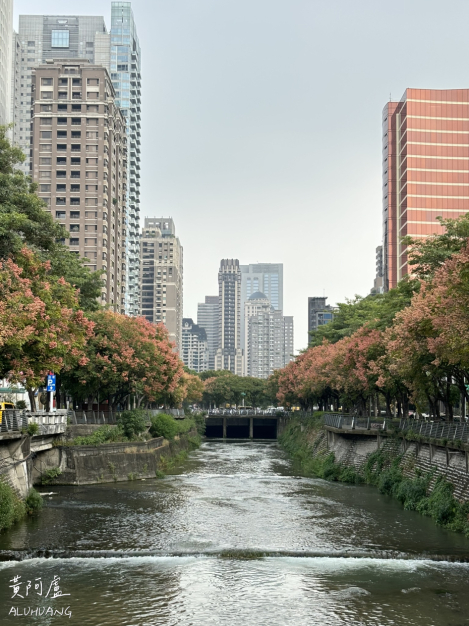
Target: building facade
41 38
289 338
378 286
195 352
125 69
266 278
79 160
319 313
425 169
6 38
161 276
207 318
229 354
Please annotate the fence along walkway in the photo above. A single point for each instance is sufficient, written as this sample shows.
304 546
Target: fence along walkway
350 422
13 420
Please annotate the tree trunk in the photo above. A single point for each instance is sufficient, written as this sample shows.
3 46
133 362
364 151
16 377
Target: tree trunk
32 399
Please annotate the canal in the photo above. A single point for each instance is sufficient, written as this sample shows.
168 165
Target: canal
338 554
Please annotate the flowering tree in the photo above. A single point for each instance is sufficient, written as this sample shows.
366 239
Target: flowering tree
127 359
41 329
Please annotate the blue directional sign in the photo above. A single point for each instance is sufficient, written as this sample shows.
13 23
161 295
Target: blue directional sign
51 382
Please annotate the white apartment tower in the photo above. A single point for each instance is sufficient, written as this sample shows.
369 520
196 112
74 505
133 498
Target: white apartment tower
229 354
207 318
195 353
161 276
6 36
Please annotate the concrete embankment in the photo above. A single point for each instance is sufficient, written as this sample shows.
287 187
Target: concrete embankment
109 462
429 476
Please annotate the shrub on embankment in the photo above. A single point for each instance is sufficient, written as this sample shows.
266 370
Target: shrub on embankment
163 425
425 493
13 508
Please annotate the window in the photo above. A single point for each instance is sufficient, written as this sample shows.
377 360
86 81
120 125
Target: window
76 81
91 134
60 39
46 95
62 134
75 174
61 120
61 187
61 215
74 228
74 215
74 201
92 81
46 134
46 107
44 188
46 81
62 107
75 187
60 201
76 134
76 121
61 160
63 95
61 147
75 160
76 95
60 174
63 82
45 161
44 174
76 147
46 121
74 241
76 107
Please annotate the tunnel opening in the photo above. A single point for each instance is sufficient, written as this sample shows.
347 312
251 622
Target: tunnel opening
214 430
237 431
265 429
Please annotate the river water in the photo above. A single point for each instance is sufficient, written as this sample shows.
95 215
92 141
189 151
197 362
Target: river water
185 550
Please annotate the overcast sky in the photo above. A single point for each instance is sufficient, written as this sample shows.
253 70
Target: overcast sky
262 127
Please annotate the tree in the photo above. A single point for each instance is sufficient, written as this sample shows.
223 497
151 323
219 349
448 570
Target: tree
41 329
26 219
126 358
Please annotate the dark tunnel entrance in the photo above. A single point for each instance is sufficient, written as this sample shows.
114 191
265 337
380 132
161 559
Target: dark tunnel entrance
265 428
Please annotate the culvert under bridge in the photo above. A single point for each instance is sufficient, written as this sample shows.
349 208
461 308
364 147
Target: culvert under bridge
243 427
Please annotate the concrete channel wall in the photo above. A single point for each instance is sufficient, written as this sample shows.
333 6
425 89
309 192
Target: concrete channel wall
353 449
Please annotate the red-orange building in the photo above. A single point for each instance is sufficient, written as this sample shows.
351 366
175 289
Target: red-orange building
425 169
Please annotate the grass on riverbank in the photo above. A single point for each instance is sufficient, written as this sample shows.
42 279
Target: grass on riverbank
13 509
302 439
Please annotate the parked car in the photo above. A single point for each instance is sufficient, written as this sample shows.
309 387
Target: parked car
4 406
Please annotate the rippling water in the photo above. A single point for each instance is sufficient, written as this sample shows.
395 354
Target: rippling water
201 531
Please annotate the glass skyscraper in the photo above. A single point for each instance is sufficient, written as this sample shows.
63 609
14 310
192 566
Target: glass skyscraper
125 67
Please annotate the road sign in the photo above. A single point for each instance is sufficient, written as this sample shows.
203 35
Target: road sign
51 382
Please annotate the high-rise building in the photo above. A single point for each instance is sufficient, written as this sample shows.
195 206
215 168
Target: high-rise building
207 318
319 313
269 337
266 278
378 282
6 34
425 169
194 354
125 66
41 38
79 159
229 354
161 271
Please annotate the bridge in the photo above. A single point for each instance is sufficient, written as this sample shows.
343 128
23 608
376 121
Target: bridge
243 424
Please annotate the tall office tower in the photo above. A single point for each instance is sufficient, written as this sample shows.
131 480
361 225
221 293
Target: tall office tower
41 38
229 354
125 60
79 160
319 313
288 331
6 38
266 278
425 169
269 337
161 270
195 354
207 318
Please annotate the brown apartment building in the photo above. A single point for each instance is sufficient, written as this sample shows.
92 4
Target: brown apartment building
425 169
79 160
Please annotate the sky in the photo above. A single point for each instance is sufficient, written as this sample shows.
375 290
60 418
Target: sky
261 127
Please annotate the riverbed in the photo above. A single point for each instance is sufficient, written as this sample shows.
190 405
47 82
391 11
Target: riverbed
234 536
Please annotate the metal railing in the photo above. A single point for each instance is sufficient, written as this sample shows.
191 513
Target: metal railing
244 413
436 430
351 422
14 421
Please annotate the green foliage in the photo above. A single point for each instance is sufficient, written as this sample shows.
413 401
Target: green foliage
21 405
199 419
377 311
33 502
51 474
32 429
159 474
132 422
12 508
163 425
103 434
